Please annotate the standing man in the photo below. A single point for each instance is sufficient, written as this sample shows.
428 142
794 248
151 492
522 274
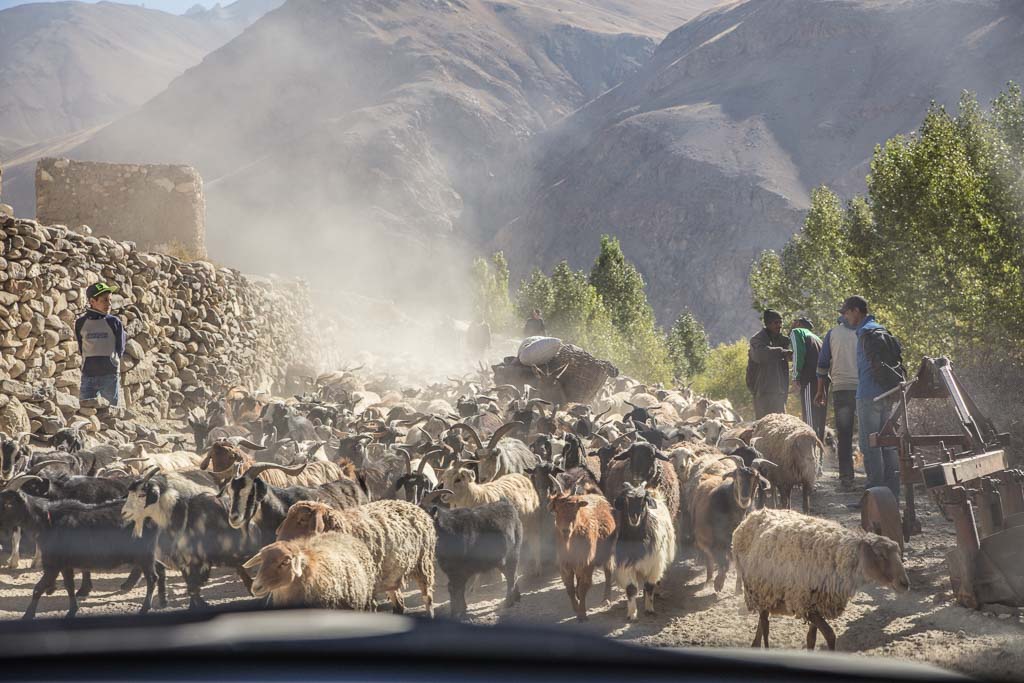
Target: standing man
879 368
806 350
101 342
768 366
837 374
534 326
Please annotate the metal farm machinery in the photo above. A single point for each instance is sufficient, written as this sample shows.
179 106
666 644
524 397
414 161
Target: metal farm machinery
966 475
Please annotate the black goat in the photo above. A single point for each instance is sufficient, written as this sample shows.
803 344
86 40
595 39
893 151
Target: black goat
248 494
195 533
471 541
74 535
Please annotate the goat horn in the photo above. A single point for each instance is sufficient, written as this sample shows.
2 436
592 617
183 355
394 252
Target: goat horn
429 496
512 388
425 460
557 484
38 467
150 473
735 458
19 481
245 443
469 430
732 438
260 467
762 462
502 431
407 458
601 440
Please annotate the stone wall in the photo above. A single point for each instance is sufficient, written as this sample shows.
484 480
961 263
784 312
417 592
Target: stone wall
161 208
193 329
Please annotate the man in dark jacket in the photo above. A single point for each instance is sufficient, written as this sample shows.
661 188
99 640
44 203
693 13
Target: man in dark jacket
806 347
768 366
101 342
534 326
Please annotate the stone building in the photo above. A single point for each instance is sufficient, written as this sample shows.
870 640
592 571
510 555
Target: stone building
159 207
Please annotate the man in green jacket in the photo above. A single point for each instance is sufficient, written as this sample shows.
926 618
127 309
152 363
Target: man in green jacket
806 347
768 366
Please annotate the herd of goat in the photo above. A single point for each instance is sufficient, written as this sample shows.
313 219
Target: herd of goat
339 496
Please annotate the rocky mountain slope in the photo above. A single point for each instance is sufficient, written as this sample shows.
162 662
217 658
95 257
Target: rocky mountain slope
357 129
65 66
69 67
707 154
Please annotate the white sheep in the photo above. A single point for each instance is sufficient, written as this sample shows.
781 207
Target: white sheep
792 445
399 535
793 564
332 570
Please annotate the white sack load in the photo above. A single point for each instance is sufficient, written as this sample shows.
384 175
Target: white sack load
538 350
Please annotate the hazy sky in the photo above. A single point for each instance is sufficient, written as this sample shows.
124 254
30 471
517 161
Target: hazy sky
175 6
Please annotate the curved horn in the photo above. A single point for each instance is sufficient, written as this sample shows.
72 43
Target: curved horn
425 460
754 440
502 431
146 442
603 441
407 458
511 387
735 458
763 462
469 430
260 467
19 481
627 436
38 467
557 484
245 443
738 440
150 473
631 405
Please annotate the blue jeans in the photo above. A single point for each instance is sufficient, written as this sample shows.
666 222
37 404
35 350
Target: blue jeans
844 402
882 465
107 386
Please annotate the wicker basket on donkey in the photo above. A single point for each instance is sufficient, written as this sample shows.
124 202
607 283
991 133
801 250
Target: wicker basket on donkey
572 376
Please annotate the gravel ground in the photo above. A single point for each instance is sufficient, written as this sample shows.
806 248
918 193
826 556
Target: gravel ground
924 624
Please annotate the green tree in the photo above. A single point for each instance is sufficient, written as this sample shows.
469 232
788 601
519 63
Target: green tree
814 272
688 346
724 376
535 292
490 298
622 288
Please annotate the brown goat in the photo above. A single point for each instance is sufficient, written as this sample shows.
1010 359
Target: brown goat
585 540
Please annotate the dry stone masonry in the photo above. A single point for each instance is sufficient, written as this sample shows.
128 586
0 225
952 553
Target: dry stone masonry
193 329
161 208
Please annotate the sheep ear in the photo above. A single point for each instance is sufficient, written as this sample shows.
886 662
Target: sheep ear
254 561
298 564
320 525
661 456
652 503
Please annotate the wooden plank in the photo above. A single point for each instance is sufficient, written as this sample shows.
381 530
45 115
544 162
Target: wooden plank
963 470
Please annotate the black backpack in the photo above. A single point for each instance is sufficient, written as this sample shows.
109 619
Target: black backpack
880 344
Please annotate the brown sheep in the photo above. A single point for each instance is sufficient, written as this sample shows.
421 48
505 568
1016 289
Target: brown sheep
585 540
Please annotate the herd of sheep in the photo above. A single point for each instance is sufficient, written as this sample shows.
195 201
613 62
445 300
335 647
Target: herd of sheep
341 496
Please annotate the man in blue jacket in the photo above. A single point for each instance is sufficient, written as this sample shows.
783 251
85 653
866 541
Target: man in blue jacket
875 376
101 341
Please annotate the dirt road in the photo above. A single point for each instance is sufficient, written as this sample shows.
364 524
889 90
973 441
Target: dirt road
924 624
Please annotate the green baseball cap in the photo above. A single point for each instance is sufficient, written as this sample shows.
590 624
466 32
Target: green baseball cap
99 289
